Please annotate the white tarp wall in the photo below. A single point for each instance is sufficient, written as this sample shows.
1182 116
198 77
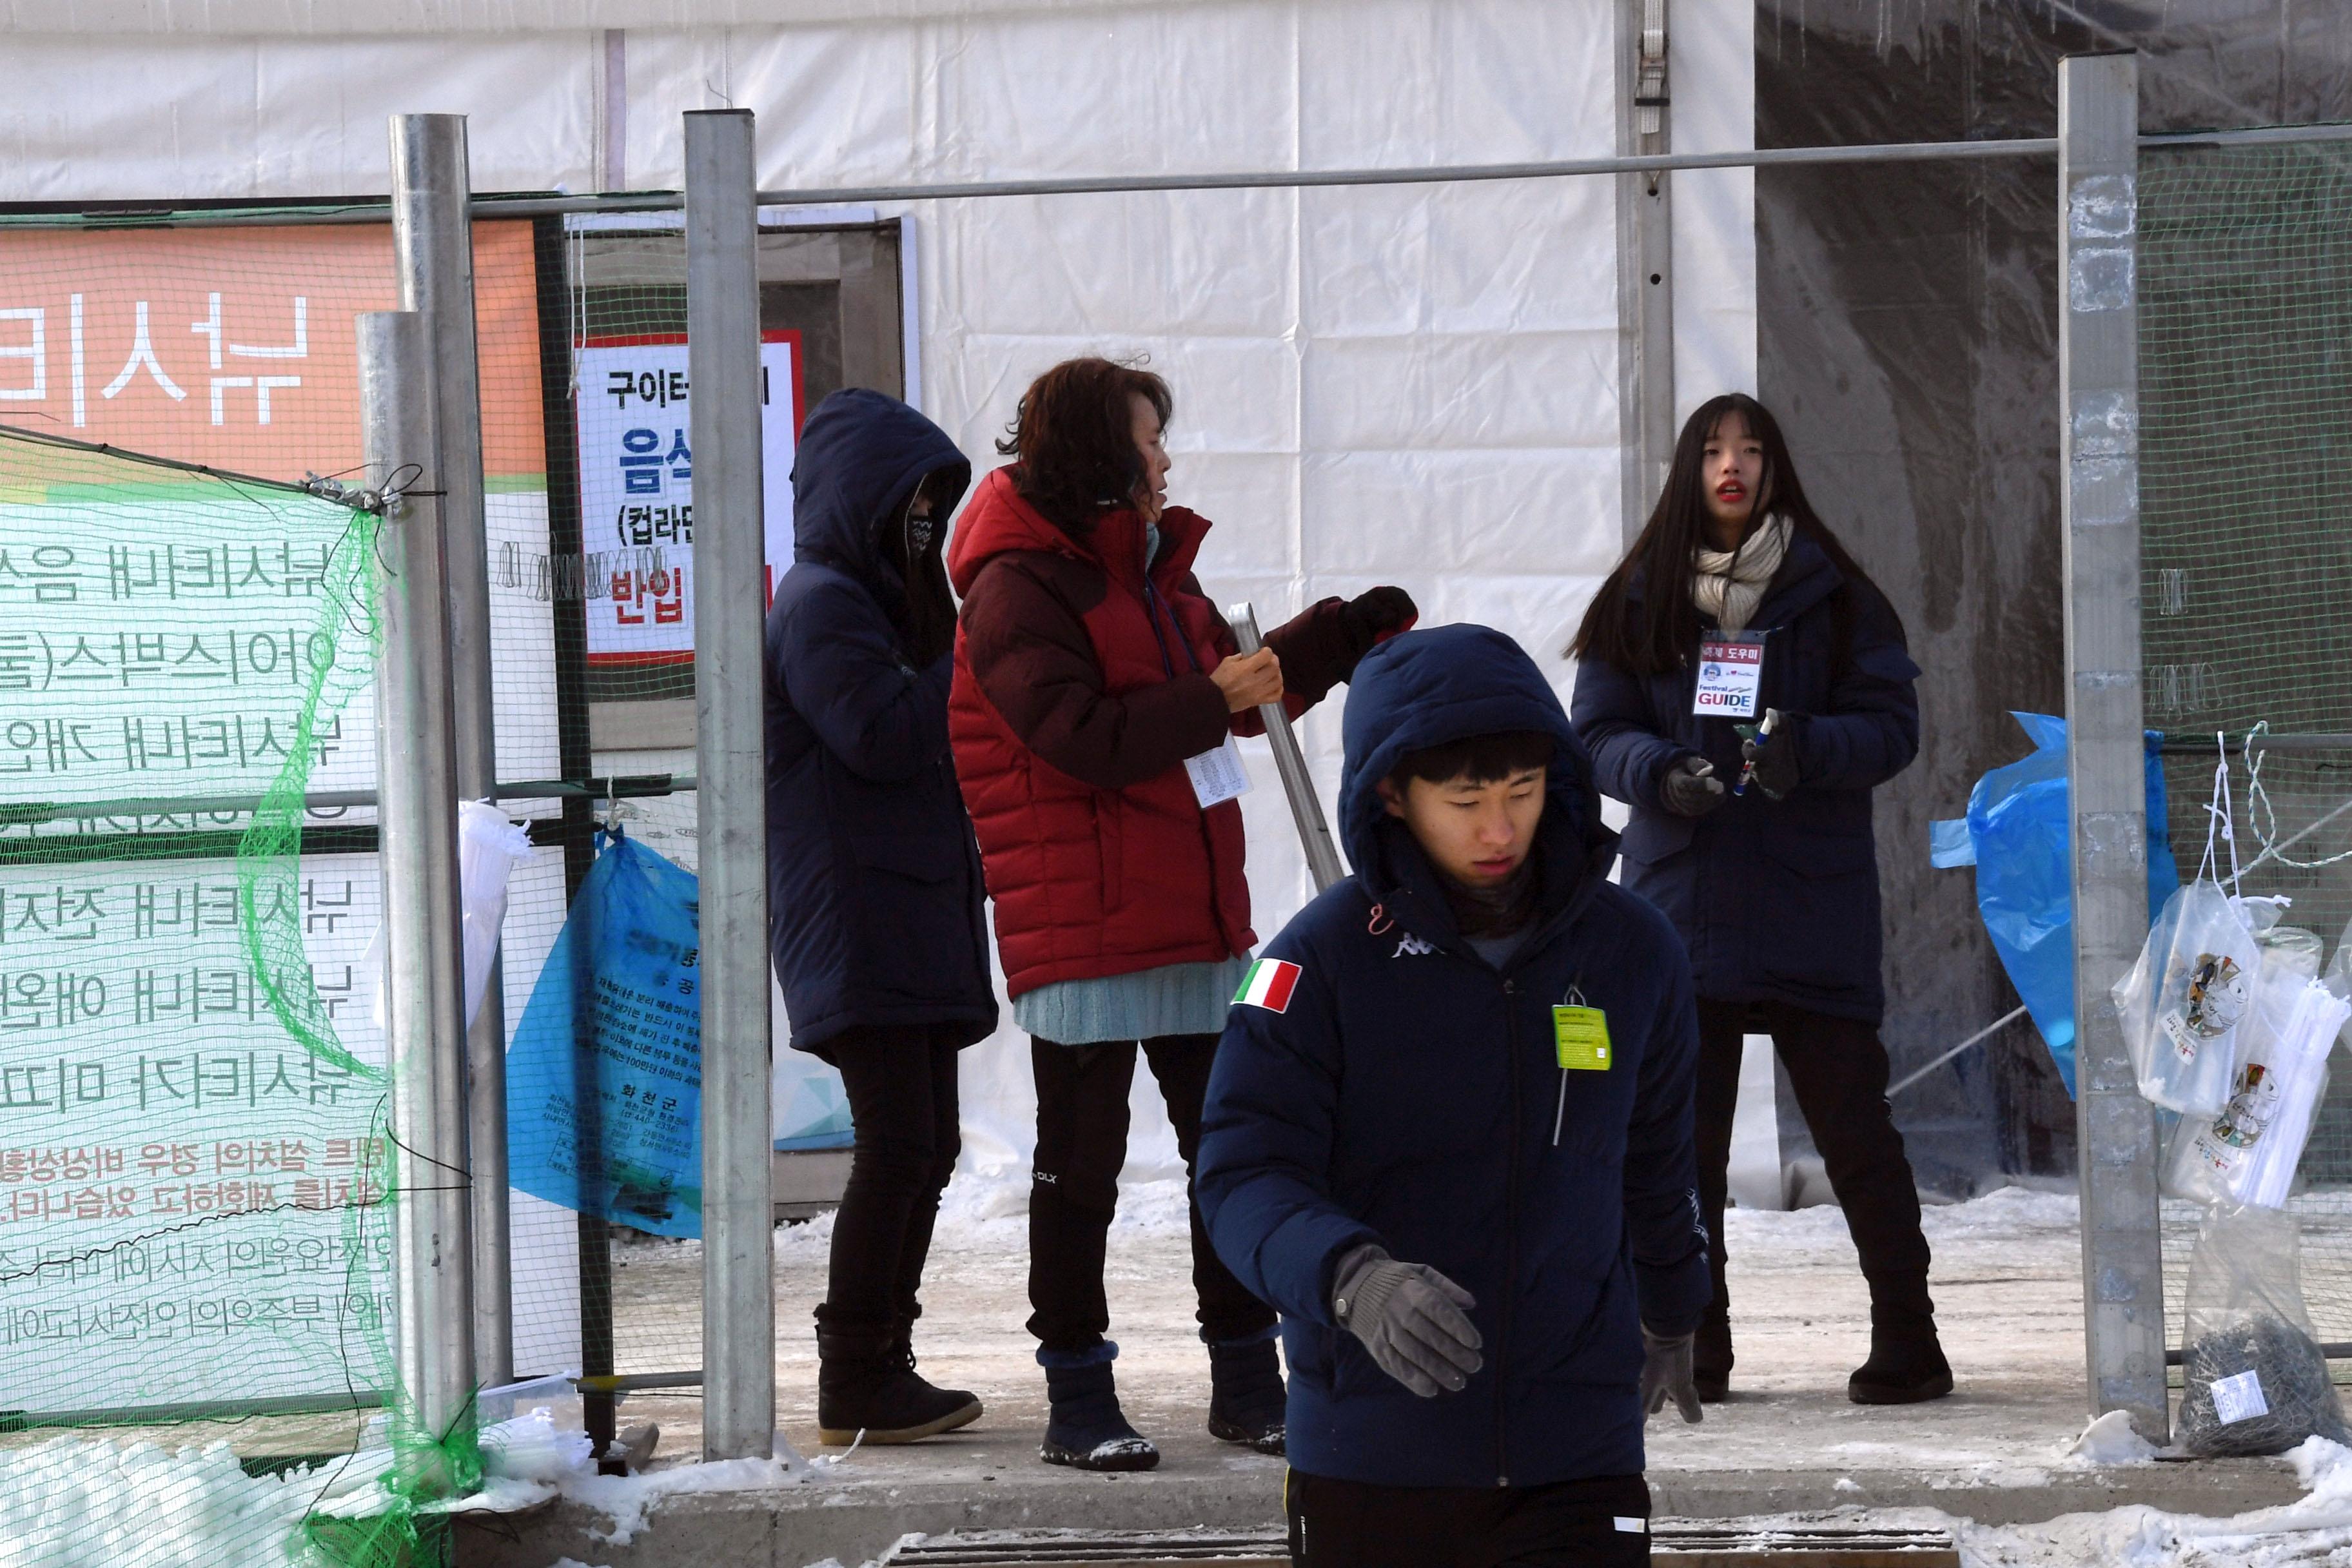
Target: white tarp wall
1408 385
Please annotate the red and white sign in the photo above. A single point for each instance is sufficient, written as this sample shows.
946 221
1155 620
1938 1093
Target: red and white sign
636 488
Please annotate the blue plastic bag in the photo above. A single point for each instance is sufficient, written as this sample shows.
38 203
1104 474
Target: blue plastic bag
2016 835
604 1076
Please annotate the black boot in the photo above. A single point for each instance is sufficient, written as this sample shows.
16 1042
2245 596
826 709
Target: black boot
1085 1429
866 1382
1906 1364
1246 1404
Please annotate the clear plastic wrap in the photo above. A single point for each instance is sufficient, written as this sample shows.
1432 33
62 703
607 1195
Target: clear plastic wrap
2255 1381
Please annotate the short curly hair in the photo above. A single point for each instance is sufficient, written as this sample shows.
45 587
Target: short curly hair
1072 439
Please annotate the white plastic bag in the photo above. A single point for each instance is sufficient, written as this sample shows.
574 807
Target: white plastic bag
2248 1152
2183 1001
488 845
2254 1379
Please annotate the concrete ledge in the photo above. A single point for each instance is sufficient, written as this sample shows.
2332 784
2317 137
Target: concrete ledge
857 1519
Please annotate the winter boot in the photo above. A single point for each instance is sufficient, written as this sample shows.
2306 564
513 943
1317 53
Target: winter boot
1711 1361
1906 1364
866 1382
1085 1429
1246 1404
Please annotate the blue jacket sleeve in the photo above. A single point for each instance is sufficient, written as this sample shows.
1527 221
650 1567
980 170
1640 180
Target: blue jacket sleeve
1265 1149
839 666
1612 715
1662 1214
1871 732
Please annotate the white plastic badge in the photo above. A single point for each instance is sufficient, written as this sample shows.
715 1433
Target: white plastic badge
2239 1399
1730 675
1218 776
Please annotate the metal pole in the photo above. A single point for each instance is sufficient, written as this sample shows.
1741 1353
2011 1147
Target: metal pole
2098 379
722 327
1645 277
433 249
1306 806
425 960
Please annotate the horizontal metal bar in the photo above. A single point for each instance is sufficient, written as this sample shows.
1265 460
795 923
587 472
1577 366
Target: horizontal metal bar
624 787
2334 1349
527 206
2178 745
625 1383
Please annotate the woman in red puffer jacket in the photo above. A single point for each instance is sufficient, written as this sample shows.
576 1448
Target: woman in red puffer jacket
1092 678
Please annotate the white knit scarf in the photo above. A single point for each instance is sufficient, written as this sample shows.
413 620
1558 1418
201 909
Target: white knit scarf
1729 583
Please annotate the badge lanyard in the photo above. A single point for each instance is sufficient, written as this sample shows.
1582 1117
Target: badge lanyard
1580 1037
1730 675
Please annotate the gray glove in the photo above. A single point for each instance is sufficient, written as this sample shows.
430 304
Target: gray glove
1690 788
1666 1374
1411 1318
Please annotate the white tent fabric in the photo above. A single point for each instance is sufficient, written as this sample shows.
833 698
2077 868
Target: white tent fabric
1408 385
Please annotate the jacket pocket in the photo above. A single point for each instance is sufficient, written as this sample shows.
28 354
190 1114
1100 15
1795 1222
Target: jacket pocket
913 917
1111 847
1652 835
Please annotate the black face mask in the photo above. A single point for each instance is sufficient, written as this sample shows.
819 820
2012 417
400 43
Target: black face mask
919 538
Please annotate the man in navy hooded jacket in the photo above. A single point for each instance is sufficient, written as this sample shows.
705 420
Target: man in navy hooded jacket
1449 1137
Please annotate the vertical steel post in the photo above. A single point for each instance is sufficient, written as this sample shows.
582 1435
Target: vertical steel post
1323 862
2098 380
722 327
417 850
1645 275
433 250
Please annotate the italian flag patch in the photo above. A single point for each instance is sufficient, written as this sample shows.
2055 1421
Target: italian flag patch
1268 984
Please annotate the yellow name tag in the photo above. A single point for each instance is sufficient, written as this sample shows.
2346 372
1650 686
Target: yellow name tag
1581 1034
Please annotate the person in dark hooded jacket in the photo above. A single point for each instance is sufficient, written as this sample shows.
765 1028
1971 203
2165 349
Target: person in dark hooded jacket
1449 1137
1758 845
874 878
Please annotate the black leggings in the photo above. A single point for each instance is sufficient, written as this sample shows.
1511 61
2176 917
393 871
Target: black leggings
1838 1068
1081 1144
902 1097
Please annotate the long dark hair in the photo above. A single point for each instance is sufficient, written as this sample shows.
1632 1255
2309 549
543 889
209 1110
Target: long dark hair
1660 632
1074 437
911 551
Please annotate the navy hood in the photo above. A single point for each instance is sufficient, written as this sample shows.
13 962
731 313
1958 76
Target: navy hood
859 458
1428 688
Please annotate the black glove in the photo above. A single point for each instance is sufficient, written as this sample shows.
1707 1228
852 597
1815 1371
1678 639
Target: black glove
1690 788
1411 1318
1666 1374
1773 755
1380 613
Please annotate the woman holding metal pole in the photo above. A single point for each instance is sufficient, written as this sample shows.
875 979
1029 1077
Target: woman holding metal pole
1097 694
1744 685
873 888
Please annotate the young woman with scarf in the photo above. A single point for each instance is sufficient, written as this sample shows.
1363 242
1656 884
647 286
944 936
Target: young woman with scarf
1756 842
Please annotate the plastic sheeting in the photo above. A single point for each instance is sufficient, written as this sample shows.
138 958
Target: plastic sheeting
1415 386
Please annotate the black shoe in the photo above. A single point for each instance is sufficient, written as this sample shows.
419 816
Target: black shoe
1906 1366
866 1382
1246 1402
1714 1387
1085 1429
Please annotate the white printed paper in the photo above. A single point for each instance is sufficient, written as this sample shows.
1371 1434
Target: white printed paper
1730 676
2239 1399
636 488
1218 776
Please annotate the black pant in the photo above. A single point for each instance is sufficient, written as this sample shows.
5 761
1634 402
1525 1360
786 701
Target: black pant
1569 1524
1838 1068
1081 1144
902 1097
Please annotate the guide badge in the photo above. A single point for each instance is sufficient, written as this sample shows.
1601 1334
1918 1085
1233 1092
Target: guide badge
1730 675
